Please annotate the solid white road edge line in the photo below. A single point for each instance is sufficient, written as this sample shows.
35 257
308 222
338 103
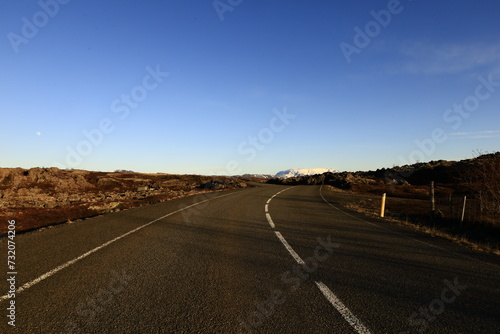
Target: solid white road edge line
403 235
343 310
67 264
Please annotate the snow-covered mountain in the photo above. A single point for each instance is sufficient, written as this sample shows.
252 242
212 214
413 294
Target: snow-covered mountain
303 172
259 176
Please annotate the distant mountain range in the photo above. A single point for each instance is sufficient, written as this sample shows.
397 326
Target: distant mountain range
290 173
259 176
303 172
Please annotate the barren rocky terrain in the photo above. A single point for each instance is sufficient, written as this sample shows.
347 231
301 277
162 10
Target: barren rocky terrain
467 196
42 196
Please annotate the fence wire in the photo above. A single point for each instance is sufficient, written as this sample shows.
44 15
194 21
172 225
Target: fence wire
448 209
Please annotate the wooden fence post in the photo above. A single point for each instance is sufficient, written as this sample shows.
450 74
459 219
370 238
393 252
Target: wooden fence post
382 206
463 212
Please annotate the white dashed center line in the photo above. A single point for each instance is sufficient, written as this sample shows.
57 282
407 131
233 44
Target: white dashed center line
356 324
270 220
290 249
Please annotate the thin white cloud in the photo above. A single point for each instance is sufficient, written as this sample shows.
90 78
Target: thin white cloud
485 136
477 134
425 58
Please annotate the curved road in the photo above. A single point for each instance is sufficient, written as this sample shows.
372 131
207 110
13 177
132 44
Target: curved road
268 259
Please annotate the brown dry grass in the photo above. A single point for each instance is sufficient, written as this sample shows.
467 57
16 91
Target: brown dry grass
101 193
31 218
414 213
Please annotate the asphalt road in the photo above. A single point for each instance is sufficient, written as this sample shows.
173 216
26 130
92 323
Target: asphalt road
244 261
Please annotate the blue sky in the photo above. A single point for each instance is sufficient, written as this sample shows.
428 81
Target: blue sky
227 87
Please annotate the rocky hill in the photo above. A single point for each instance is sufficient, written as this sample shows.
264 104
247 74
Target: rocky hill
455 175
466 206
303 172
40 196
